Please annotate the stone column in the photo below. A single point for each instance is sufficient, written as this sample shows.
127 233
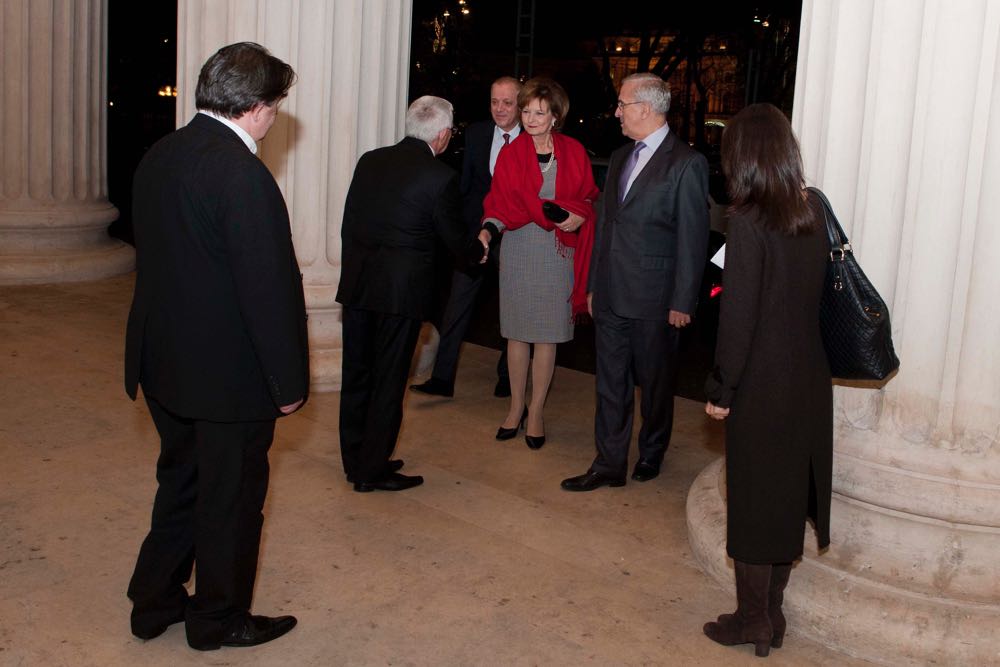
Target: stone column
54 210
352 60
897 107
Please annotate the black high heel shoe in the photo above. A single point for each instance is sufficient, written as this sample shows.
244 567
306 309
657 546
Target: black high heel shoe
534 441
510 433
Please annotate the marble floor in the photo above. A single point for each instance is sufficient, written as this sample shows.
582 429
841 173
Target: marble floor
487 563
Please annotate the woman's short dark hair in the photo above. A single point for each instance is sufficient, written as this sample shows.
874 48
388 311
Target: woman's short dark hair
241 76
763 167
545 90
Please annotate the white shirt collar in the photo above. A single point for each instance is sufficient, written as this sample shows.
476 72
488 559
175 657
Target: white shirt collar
240 132
498 132
498 142
656 138
652 142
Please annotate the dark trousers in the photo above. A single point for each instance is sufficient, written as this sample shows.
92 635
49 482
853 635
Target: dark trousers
457 316
378 350
628 352
212 480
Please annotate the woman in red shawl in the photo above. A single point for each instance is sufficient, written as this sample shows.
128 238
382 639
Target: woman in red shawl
543 259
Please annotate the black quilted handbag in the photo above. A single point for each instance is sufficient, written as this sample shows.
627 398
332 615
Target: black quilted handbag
854 320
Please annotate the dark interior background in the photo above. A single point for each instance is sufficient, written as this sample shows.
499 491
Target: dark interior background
142 61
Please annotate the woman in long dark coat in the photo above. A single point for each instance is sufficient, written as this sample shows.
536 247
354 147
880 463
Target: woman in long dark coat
771 379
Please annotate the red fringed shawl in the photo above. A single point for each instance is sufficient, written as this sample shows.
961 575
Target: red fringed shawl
513 199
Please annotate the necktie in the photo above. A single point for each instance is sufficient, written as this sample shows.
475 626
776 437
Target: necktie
627 170
506 138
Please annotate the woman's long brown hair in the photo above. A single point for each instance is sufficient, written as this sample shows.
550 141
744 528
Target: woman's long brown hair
763 167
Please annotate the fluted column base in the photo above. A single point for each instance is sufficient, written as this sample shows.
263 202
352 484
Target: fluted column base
61 244
66 267
326 348
864 617
326 342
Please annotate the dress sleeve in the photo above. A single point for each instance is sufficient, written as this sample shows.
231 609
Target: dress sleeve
741 297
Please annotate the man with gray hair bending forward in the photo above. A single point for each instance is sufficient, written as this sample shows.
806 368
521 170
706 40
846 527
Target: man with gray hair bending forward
400 201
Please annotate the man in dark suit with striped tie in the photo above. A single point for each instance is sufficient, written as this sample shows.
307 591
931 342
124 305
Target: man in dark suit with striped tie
649 253
483 142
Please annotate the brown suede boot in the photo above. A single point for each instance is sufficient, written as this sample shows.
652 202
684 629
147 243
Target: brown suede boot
776 595
750 623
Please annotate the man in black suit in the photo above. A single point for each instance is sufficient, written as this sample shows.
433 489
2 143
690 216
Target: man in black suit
217 339
400 201
649 253
483 142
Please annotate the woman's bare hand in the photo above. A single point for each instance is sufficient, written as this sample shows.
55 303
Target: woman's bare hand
570 224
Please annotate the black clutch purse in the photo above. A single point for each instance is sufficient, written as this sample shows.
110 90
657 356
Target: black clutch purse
495 238
554 211
854 320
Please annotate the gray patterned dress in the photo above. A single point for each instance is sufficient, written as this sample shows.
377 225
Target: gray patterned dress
536 279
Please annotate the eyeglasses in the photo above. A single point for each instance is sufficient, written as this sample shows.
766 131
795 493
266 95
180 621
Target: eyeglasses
454 131
622 105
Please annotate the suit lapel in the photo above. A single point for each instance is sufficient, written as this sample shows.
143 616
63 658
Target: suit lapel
656 160
611 180
486 145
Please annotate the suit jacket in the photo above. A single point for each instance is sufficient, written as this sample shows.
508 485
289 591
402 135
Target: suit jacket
476 176
650 250
402 200
217 328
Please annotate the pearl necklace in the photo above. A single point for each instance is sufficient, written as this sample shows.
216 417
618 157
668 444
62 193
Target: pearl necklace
548 165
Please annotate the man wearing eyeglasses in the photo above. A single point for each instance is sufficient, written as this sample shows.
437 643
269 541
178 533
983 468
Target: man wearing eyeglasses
649 253
400 201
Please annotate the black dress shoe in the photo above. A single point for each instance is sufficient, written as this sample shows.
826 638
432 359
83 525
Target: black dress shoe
590 481
250 631
393 481
510 433
645 470
392 466
502 390
435 387
534 441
